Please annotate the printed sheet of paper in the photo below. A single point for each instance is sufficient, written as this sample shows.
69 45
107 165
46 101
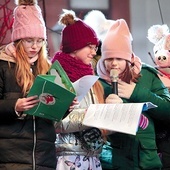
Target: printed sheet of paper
123 117
83 85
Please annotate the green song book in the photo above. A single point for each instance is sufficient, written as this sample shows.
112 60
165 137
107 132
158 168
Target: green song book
55 92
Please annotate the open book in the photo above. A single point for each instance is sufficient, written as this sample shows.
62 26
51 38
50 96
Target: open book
56 92
122 117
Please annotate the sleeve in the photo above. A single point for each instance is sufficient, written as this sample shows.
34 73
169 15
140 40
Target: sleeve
71 123
7 97
151 89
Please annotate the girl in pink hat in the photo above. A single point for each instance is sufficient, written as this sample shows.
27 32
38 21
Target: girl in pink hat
27 142
137 83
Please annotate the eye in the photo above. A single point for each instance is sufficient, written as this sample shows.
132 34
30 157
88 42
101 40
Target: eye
29 40
40 41
164 57
156 52
159 58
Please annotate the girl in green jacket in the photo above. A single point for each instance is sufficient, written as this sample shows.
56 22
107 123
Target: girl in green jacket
136 83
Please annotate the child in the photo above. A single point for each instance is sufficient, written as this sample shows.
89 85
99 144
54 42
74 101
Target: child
77 146
135 85
27 142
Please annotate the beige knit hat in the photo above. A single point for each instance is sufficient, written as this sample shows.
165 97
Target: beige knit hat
117 44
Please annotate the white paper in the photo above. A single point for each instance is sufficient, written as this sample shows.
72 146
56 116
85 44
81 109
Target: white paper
123 117
83 85
58 78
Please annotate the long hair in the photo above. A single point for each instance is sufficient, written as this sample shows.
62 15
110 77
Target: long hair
128 74
23 73
99 91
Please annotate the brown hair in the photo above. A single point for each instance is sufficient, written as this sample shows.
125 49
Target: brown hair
129 74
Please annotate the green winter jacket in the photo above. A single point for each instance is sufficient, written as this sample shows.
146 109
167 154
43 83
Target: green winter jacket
140 152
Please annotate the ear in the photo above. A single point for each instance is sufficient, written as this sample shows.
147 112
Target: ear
167 42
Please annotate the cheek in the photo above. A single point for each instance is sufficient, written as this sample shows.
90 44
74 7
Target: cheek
107 66
122 67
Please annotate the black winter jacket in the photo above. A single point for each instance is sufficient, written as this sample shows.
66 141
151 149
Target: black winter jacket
25 144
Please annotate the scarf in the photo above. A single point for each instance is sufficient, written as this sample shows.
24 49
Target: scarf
74 68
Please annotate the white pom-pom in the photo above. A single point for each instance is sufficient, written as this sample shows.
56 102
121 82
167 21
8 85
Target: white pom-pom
97 20
157 32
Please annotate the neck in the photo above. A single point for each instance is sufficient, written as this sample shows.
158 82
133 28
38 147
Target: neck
33 59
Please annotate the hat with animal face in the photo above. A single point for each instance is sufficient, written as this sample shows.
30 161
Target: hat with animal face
159 35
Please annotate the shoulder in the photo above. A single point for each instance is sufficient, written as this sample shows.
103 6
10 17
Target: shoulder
4 56
149 69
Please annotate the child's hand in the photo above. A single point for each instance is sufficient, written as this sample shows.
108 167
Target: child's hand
125 90
73 104
113 98
24 104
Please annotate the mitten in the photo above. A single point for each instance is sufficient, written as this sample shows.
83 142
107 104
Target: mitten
143 123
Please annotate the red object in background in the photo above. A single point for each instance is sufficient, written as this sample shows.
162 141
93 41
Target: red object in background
6 20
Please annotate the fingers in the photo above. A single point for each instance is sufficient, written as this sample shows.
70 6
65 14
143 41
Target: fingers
113 98
24 104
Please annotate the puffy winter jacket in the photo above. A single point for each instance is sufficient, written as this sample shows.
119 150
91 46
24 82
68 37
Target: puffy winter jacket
27 143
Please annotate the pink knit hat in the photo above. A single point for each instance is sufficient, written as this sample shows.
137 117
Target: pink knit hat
76 34
28 21
117 44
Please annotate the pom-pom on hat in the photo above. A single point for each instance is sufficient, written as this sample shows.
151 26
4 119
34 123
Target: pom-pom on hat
28 21
97 20
76 34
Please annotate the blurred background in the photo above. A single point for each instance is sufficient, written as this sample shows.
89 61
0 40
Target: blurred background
139 14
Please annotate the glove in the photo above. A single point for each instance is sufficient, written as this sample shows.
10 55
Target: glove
143 123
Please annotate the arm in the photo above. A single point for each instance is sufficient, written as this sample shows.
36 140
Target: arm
71 123
150 89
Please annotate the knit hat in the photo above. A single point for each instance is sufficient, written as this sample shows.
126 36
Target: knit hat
117 44
28 21
159 35
76 34
97 20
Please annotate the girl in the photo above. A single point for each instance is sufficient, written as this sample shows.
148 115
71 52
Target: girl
27 142
78 147
135 85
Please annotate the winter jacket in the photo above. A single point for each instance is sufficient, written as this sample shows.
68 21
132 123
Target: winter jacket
26 143
140 152
67 141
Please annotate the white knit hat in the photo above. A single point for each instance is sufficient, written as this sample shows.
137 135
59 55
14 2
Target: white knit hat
97 20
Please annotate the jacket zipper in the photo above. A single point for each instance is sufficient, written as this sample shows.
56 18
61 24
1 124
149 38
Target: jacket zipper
35 139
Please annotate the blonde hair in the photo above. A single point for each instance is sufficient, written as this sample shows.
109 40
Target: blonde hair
23 73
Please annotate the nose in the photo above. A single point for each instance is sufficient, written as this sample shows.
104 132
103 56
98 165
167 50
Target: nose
114 61
93 52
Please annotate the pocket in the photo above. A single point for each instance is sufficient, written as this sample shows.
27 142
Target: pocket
148 157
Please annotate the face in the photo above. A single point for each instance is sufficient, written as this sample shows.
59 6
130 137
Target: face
115 63
32 46
85 54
